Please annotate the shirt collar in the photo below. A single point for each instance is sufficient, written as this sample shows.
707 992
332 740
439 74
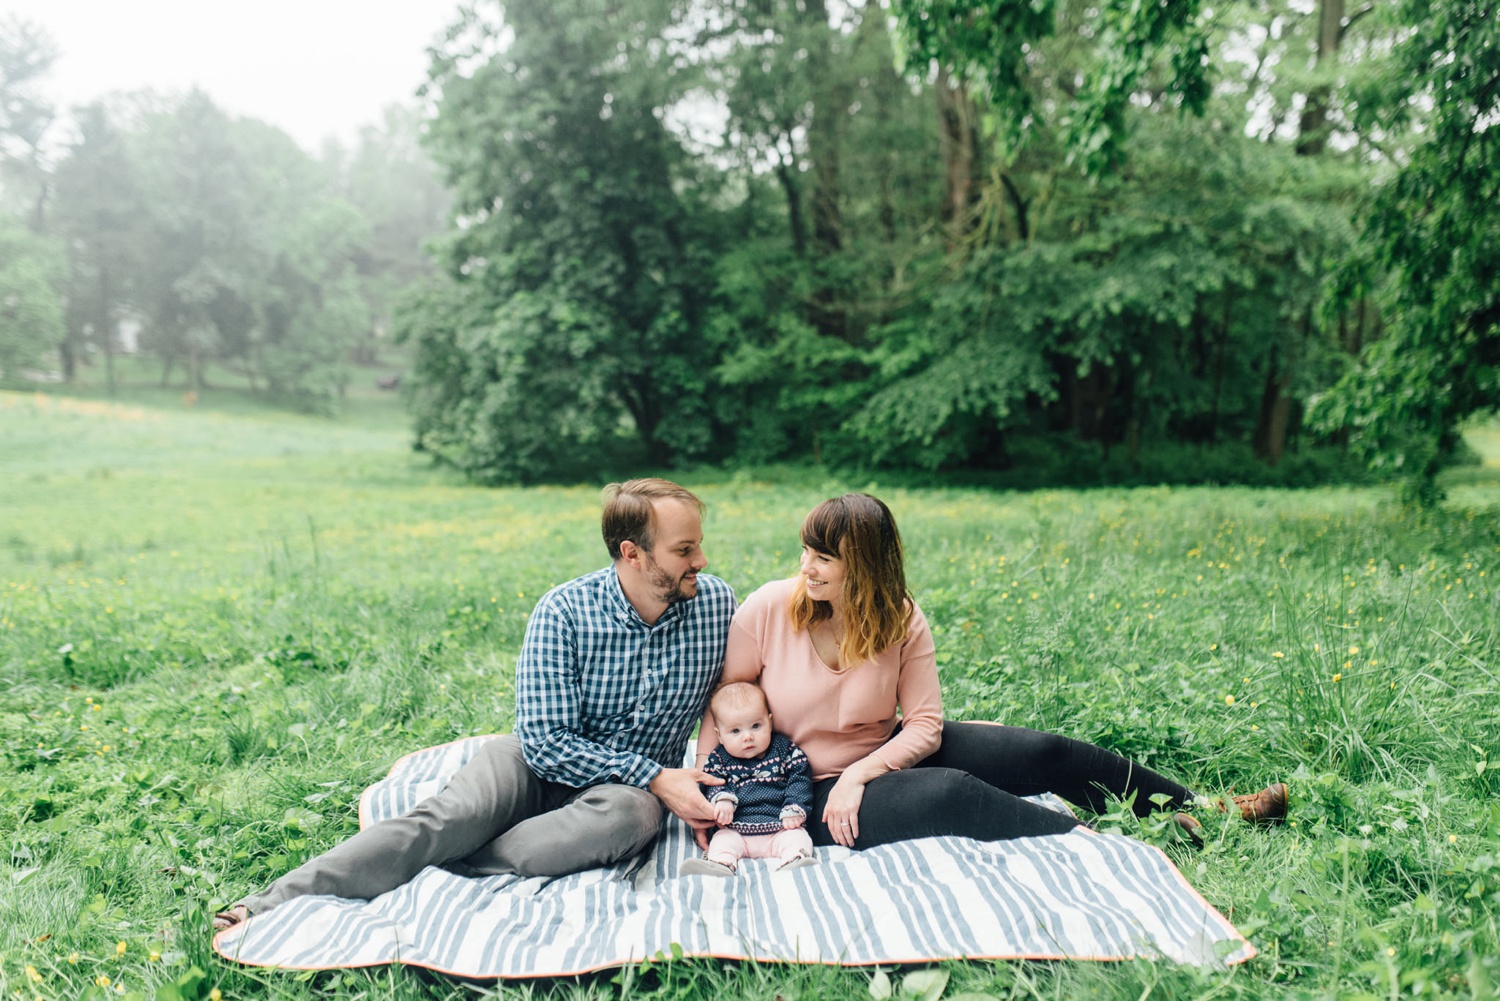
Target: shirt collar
623 609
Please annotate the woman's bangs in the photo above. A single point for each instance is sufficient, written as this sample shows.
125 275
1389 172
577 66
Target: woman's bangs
825 527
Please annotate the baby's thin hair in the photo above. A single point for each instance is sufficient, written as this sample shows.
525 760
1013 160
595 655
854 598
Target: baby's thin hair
737 695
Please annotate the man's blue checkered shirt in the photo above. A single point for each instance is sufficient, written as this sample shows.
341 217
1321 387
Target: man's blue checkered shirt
603 697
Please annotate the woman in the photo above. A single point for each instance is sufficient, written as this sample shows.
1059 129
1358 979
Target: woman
841 647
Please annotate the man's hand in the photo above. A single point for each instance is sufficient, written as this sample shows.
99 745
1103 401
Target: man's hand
724 812
677 788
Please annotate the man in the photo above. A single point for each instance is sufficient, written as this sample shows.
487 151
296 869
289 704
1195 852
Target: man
615 669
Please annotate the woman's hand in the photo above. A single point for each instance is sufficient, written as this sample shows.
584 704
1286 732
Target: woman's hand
841 812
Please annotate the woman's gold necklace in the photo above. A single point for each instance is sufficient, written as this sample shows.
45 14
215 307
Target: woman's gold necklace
827 630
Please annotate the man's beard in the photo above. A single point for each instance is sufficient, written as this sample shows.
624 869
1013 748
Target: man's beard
667 589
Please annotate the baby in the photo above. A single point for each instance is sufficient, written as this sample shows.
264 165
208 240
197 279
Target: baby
762 805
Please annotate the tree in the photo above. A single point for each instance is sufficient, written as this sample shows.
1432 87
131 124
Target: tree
31 320
244 253
795 314
579 266
98 210
26 57
310 313
1432 225
991 45
394 184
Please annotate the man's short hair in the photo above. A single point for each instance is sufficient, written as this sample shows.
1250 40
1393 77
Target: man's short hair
629 512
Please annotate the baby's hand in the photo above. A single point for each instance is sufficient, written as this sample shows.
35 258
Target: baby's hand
724 812
792 821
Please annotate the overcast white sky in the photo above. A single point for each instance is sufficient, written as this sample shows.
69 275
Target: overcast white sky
314 67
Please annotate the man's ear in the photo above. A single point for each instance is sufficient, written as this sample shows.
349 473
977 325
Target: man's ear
630 552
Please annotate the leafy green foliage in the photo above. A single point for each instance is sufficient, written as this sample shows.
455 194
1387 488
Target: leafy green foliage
992 44
225 243
31 318
1131 318
1433 227
576 272
27 54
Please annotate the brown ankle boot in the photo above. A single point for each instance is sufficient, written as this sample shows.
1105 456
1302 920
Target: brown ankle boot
1265 807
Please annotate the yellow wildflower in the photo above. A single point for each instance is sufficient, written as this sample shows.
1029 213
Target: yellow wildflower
1337 678
32 975
1229 700
120 948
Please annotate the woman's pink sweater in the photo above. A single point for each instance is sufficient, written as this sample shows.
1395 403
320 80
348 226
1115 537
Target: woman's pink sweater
836 717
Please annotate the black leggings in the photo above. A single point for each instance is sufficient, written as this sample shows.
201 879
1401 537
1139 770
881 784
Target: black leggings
972 786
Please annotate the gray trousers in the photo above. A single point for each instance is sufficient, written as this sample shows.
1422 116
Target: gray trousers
495 816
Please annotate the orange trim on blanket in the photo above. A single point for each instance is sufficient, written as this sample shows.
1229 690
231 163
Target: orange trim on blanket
995 957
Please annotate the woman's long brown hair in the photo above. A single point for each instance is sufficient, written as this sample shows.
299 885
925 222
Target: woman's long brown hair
859 530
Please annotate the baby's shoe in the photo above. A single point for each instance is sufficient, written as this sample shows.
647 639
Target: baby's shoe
796 862
701 865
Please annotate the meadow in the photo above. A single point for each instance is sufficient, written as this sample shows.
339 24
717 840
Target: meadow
218 624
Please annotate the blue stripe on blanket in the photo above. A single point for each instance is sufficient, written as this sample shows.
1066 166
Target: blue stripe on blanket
1078 895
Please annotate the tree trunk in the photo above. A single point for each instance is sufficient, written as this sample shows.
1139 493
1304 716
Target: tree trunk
1312 124
109 358
1088 404
787 176
1271 425
1219 350
195 371
1354 340
960 155
830 101
823 132
884 87
107 330
1021 208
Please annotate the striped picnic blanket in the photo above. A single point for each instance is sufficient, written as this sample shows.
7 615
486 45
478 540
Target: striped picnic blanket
1070 896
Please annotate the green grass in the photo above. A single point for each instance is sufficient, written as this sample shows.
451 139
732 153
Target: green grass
218 624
